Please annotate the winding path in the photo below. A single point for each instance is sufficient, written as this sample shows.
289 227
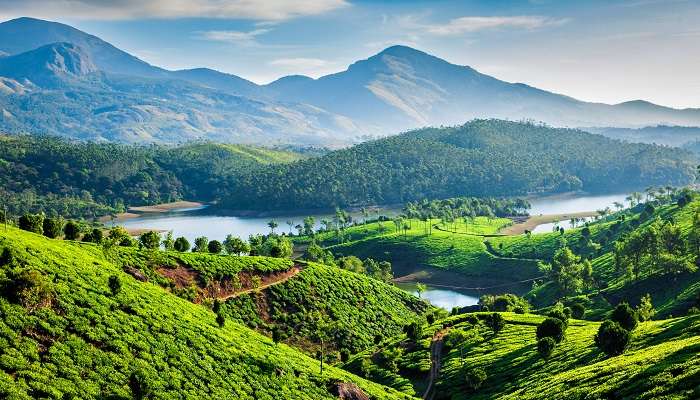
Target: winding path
435 362
280 278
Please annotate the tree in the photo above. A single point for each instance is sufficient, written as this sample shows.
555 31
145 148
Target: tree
551 327
220 320
545 346
272 224
496 322
645 310
420 288
566 270
32 223
71 231
115 284
94 236
120 236
612 338
169 242
277 246
150 240
309 223
624 315
53 227
215 247
578 310
181 244
201 244
236 245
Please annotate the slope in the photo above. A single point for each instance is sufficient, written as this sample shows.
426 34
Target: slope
661 361
66 333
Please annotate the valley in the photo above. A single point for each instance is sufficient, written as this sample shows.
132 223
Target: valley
290 200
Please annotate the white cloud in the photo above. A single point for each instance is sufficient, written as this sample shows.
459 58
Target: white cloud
273 10
463 25
313 67
235 37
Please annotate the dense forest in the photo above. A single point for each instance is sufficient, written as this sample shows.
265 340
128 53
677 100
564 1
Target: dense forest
480 158
483 158
83 179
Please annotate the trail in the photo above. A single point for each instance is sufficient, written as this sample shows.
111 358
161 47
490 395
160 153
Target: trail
280 278
493 253
435 362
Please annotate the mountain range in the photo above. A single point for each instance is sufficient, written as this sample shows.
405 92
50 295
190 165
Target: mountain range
55 79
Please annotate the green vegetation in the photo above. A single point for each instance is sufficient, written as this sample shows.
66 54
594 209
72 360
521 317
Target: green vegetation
481 158
68 329
72 179
660 361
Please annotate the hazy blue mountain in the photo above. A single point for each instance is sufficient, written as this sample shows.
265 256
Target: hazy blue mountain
109 94
402 87
676 136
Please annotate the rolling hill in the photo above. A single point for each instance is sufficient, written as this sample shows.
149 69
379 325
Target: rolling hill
67 331
397 89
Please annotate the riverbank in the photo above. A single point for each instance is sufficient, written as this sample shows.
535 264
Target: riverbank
135 212
522 224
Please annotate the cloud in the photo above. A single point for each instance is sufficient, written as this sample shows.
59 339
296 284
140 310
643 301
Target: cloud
463 25
272 10
235 37
313 67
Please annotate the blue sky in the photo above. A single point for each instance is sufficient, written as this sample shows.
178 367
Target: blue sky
606 51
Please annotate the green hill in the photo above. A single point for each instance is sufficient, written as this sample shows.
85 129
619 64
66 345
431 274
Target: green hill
660 363
92 179
66 331
480 158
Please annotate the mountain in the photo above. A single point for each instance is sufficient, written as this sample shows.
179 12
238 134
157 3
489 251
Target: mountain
48 65
675 136
405 88
481 158
118 97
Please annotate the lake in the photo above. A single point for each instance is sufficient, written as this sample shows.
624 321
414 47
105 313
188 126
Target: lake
440 297
215 225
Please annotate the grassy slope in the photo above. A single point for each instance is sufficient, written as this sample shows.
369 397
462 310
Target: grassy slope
89 343
463 251
661 362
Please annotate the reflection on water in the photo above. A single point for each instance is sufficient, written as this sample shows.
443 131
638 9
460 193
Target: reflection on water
571 203
443 298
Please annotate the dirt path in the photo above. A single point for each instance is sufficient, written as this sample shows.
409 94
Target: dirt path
520 225
279 278
435 362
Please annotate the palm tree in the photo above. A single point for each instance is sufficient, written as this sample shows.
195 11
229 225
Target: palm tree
272 224
619 206
291 225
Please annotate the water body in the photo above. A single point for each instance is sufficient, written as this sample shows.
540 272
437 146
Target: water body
192 223
440 297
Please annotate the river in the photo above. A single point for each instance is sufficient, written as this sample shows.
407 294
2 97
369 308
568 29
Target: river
192 223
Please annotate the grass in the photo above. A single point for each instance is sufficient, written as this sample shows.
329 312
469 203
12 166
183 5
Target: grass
661 361
80 340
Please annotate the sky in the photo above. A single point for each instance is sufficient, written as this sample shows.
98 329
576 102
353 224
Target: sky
602 51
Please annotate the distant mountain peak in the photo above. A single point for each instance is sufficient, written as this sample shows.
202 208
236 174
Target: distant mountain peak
48 63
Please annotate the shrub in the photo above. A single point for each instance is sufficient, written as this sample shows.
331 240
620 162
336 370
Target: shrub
578 310
624 315
120 236
559 313
71 231
545 346
496 322
455 337
474 378
430 318
551 327
52 227
220 319
504 302
150 240
182 244
33 290
115 284
32 223
414 331
215 247
612 338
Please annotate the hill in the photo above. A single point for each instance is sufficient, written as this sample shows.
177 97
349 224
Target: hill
66 331
676 136
659 363
91 179
397 89
480 158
